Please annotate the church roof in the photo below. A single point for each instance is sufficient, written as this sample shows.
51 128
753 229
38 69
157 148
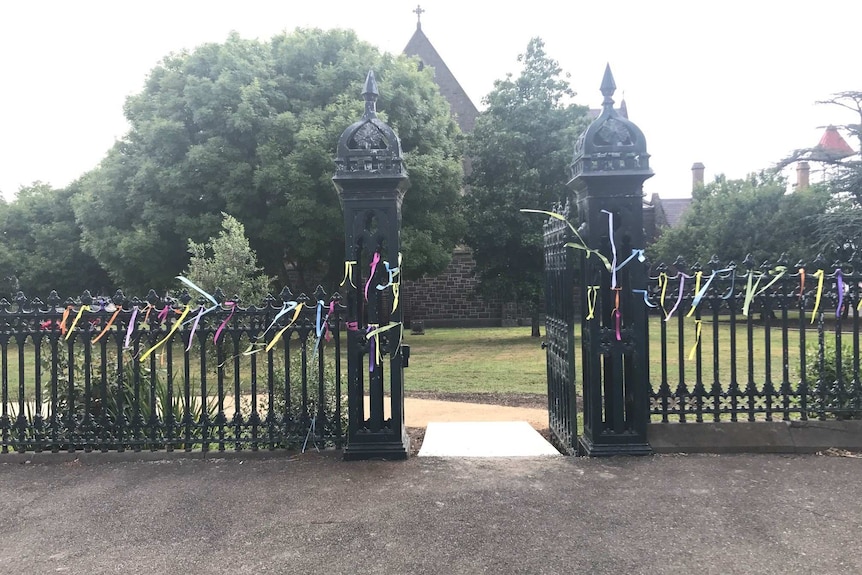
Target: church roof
462 107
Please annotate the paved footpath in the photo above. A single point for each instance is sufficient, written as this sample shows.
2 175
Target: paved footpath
724 514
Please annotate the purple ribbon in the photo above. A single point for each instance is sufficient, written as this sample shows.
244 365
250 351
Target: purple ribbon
839 277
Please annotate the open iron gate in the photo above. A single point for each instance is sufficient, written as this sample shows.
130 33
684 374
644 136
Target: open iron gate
560 332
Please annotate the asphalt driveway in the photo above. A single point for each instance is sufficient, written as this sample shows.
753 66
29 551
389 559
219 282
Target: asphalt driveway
314 513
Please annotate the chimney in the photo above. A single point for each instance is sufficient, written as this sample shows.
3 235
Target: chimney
697 175
802 171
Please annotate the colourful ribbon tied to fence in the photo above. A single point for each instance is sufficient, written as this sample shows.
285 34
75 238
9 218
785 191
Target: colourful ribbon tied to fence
130 328
321 325
700 293
639 254
682 277
592 295
232 306
663 280
373 336
75 322
820 275
698 328
839 280
697 277
108 325
278 335
579 246
646 297
174 328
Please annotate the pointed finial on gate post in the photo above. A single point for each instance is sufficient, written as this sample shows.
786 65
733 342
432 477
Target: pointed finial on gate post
370 93
608 87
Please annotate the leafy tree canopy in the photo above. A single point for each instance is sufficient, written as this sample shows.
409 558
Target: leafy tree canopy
41 246
733 218
250 128
520 150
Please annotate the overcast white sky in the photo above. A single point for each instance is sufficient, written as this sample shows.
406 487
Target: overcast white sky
730 83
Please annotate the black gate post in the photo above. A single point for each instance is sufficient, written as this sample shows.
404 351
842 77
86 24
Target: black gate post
371 180
611 160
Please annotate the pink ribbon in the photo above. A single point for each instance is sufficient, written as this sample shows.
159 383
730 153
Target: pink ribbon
164 313
232 305
374 261
327 334
617 321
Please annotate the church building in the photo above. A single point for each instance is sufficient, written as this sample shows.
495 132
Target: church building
450 299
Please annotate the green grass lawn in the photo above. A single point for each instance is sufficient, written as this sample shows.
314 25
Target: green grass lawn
480 360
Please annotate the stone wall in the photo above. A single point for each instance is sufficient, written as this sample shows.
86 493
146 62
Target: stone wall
450 299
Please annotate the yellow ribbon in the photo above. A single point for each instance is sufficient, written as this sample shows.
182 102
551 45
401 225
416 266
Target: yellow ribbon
174 328
821 276
663 280
592 295
780 271
278 335
698 327
396 289
375 333
697 277
580 246
75 322
749 292
348 273
396 286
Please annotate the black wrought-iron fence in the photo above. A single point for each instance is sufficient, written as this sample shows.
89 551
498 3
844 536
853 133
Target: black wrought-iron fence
169 373
754 342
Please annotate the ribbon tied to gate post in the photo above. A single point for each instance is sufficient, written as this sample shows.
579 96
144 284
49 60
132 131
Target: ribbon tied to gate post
393 283
580 244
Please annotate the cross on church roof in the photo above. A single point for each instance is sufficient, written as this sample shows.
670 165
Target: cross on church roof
418 11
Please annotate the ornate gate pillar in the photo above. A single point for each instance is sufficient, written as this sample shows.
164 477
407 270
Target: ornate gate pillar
371 181
612 162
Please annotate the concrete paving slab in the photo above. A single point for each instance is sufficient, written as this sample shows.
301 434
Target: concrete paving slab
484 439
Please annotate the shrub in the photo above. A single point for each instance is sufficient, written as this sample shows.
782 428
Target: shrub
832 392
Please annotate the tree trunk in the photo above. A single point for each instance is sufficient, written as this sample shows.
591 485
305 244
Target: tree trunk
534 323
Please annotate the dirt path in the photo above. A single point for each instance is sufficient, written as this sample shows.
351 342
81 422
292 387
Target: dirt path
418 412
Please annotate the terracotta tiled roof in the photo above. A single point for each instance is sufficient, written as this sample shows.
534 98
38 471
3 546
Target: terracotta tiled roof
831 147
462 107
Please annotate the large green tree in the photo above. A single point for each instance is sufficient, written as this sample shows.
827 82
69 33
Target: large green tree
733 218
520 149
41 246
250 128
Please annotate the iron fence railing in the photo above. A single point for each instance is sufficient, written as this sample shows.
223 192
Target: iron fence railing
165 373
748 342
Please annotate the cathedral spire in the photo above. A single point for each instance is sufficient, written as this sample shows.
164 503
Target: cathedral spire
418 11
